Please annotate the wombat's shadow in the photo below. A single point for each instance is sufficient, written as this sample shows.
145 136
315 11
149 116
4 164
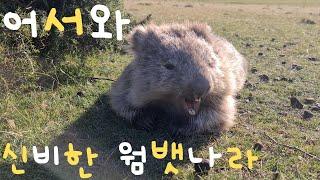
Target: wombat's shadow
102 130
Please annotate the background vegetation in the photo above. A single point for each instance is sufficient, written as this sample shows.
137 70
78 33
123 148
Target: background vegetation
53 57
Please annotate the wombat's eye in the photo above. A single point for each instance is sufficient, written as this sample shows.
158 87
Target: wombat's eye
169 66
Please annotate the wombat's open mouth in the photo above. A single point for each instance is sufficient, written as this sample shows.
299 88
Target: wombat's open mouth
192 106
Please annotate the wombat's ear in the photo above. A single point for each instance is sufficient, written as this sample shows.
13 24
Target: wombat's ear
137 38
202 30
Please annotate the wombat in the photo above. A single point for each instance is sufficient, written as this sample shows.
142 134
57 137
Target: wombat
182 74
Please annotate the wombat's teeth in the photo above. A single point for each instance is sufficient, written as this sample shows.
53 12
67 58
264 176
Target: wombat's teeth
192 112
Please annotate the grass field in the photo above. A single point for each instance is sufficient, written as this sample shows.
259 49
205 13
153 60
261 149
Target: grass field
279 46
263 2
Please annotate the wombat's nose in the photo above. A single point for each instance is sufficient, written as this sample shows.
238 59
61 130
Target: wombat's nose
200 86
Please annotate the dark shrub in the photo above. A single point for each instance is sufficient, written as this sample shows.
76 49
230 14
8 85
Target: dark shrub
45 55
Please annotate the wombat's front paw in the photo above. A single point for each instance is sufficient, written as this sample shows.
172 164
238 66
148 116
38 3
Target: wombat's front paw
145 123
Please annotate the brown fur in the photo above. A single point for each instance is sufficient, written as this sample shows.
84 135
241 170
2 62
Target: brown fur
173 63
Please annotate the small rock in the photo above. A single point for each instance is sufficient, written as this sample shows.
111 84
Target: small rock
260 54
307 115
283 62
289 44
258 146
273 39
202 167
292 43
283 113
277 79
250 97
145 4
254 70
282 55
295 103
296 67
310 142
264 78
316 107
80 94
274 169
248 45
261 45
307 21
309 100
282 79
250 86
313 59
